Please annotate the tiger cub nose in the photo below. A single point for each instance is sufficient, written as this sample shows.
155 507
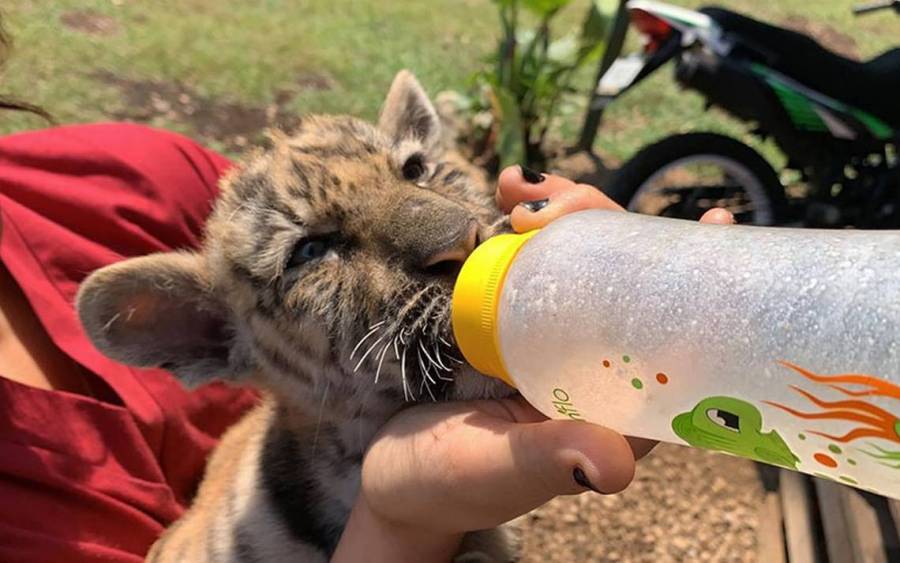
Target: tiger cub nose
456 250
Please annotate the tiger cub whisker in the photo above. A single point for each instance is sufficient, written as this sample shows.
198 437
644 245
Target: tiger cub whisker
373 329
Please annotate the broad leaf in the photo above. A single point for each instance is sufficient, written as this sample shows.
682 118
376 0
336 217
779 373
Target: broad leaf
607 8
510 144
544 8
525 36
596 26
563 51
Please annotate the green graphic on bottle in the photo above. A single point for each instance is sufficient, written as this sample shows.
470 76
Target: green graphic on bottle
888 458
730 425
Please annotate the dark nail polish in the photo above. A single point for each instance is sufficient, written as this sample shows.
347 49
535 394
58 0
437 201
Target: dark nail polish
536 205
531 176
581 479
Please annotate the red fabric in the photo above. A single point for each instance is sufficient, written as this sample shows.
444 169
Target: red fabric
83 479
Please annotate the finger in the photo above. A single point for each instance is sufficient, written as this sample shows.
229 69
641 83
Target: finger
515 468
576 197
513 188
541 461
512 409
550 452
718 216
517 409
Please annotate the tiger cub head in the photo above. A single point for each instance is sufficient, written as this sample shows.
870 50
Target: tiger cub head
326 271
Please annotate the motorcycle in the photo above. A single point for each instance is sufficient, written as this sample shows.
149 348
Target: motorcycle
837 120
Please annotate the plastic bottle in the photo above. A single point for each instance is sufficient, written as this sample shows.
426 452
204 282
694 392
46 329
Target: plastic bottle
775 344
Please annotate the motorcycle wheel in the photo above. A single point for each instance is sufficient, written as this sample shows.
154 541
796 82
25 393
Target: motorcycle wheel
685 175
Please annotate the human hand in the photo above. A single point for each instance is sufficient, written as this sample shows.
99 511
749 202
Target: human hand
438 471
518 193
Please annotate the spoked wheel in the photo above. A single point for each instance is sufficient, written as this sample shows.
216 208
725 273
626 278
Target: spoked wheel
685 175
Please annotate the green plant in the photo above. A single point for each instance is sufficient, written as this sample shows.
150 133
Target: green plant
517 98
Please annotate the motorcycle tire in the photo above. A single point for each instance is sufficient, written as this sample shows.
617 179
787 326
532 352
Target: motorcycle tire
760 181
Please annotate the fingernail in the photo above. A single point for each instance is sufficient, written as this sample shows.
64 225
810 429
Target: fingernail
536 205
581 479
531 176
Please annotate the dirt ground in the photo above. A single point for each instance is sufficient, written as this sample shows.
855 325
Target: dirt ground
684 505
236 126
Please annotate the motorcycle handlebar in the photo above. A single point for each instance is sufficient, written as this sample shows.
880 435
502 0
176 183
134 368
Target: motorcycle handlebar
869 7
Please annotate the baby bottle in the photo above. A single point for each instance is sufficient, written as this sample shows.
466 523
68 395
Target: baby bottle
775 344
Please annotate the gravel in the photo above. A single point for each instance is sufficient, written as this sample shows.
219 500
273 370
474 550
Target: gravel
684 505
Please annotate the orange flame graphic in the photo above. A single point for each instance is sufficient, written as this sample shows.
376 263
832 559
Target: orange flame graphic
876 422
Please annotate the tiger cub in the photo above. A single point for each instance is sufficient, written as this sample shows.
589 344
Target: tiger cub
325 280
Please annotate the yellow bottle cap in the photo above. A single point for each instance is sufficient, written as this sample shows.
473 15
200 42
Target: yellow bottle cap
476 297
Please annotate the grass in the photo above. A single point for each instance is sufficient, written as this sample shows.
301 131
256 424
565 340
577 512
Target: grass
238 51
249 53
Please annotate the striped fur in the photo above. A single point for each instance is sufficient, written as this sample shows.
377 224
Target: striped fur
338 343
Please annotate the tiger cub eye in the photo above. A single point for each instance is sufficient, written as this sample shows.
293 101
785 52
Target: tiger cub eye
414 167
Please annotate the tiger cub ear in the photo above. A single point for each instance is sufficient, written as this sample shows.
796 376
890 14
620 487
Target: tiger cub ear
407 113
158 311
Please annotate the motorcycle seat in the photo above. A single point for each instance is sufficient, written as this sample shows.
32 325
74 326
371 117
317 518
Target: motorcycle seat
873 85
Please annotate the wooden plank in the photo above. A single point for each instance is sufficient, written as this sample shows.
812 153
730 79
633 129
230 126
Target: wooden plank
797 511
831 511
863 521
770 536
852 533
894 505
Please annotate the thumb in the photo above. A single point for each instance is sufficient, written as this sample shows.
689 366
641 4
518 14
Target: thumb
566 457
459 467
521 466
